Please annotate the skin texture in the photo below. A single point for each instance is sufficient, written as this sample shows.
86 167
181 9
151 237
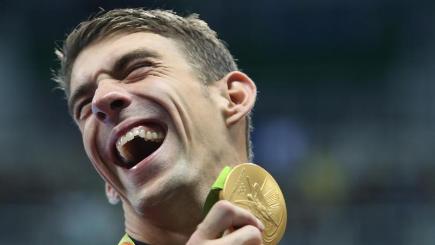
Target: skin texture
162 196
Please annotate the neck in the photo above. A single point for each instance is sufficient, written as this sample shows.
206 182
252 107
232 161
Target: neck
174 219
171 222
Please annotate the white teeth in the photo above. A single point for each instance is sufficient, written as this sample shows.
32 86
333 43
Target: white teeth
130 136
140 131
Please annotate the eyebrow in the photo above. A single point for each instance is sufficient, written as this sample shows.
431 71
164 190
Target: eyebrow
119 65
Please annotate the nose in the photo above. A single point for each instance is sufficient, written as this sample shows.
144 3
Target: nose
109 100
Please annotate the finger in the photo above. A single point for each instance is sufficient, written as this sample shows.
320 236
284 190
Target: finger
225 215
247 235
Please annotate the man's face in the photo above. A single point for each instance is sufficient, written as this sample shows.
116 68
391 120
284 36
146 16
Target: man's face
150 127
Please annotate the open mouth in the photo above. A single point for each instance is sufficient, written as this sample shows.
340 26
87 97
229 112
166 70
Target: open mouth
139 143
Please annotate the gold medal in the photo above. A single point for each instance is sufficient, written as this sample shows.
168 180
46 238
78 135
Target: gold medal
251 187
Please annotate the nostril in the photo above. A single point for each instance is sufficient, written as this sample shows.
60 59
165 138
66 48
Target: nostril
116 104
101 115
107 106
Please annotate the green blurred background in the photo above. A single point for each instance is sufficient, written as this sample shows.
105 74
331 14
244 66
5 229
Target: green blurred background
345 118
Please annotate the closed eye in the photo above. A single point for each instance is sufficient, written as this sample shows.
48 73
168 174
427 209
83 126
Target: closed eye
138 71
83 109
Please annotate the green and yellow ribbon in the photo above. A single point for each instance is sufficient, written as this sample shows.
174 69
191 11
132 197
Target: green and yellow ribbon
126 240
213 195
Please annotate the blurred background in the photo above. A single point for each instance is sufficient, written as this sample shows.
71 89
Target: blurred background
345 118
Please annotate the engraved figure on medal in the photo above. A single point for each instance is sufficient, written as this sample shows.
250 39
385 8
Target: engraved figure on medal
261 199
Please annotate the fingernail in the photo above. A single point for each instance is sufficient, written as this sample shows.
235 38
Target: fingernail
261 225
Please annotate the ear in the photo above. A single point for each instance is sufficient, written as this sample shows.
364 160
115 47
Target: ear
111 194
241 94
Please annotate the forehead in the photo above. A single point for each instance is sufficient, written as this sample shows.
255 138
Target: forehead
99 57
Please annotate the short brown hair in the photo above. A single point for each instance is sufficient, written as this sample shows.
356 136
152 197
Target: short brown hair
206 53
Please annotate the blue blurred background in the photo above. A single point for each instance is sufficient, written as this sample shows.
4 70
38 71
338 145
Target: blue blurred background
345 118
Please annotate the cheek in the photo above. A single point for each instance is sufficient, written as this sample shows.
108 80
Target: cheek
207 114
90 144
87 136
90 134
198 103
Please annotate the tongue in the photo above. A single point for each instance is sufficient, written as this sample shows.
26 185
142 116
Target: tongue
138 149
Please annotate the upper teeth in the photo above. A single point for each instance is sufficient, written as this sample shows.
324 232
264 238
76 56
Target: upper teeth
140 131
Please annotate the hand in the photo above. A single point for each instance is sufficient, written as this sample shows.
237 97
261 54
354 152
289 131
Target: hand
237 225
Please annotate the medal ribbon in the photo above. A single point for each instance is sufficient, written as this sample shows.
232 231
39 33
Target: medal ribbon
126 240
213 195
